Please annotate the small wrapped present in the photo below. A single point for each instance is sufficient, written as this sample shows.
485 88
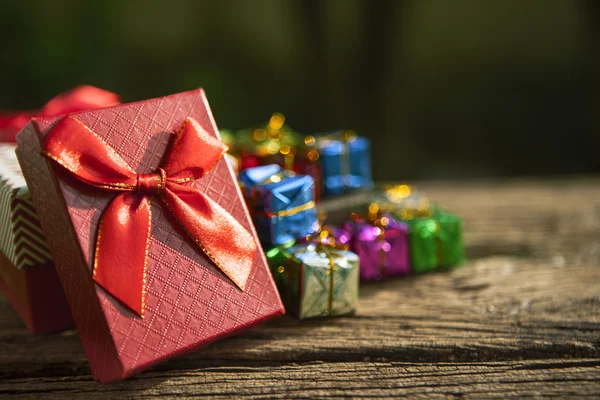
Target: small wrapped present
435 235
28 278
436 241
273 143
281 203
381 244
280 145
345 161
316 279
147 226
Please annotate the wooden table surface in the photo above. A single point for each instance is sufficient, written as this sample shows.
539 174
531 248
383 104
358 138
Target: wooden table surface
521 317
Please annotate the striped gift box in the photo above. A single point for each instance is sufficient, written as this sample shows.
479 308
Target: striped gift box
21 237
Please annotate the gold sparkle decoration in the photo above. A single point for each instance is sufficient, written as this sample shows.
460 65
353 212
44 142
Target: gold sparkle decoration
285 149
259 135
277 120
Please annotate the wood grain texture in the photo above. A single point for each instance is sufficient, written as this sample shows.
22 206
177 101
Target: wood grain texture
521 317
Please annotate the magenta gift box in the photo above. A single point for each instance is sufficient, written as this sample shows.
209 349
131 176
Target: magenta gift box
382 246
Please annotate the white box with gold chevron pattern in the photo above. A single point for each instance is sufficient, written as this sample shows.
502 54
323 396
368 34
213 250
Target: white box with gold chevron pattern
27 275
21 237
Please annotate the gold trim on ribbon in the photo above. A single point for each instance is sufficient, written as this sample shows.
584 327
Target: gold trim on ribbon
146 254
115 186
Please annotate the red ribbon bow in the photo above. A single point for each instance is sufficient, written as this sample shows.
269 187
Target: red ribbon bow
81 98
120 260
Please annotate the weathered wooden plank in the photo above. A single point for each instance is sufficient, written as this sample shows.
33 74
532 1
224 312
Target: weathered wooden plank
522 317
560 378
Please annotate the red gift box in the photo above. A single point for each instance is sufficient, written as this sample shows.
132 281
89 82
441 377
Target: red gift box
186 300
36 295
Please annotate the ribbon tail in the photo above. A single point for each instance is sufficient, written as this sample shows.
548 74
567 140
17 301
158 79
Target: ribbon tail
222 238
121 257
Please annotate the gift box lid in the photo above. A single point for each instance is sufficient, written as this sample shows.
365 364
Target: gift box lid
330 147
21 237
319 256
340 142
359 143
189 301
253 176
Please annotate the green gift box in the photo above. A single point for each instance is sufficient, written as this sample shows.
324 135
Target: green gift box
436 241
315 279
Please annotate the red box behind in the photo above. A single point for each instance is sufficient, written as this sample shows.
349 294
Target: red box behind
36 294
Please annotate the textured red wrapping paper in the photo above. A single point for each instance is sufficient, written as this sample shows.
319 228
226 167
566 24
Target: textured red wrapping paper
189 303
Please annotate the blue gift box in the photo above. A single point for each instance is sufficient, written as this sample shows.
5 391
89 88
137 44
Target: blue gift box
281 203
346 163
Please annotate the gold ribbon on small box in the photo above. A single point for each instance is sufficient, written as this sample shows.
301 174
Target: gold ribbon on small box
327 244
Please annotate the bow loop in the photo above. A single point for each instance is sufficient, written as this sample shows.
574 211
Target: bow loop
75 147
123 238
193 154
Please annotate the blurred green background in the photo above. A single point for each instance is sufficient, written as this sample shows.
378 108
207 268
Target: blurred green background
446 89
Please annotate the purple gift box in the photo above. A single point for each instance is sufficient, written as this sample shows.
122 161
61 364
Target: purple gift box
382 246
